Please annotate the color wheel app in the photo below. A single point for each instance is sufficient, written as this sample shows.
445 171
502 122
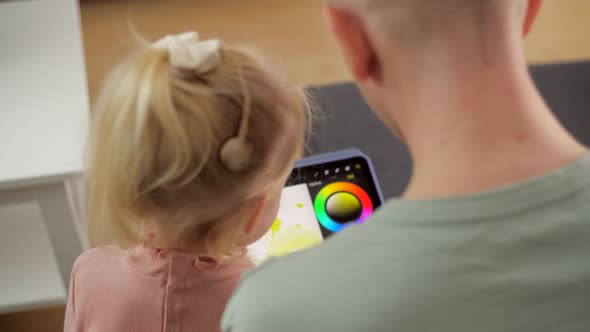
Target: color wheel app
340 204
317 202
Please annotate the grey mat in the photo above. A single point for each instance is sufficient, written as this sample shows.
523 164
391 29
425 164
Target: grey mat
348 122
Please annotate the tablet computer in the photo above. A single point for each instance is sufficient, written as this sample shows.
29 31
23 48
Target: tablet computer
324 195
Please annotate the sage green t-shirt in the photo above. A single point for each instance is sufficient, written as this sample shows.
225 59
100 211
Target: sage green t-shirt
512 260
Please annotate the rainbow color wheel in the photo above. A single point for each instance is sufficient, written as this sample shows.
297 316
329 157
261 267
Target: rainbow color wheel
340 204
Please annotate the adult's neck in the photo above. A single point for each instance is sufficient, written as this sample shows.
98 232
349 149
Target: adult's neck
476 124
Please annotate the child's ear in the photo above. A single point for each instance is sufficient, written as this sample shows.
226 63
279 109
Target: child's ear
255 217
352 37
532 11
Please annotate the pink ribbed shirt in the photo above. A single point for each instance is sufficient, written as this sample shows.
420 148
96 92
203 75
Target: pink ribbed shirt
146 289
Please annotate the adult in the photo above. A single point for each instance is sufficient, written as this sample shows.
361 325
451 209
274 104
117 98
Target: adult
492 233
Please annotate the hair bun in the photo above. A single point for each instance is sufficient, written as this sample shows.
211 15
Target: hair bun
236 154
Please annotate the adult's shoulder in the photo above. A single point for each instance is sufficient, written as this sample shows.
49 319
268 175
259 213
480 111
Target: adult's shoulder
358 247
302 283
335 250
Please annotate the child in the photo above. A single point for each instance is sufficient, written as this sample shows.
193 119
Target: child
190 145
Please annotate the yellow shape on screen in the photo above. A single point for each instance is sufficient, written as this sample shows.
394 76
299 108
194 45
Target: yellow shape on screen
291 239
275 228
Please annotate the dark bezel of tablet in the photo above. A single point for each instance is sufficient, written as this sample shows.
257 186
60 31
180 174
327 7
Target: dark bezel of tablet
306 168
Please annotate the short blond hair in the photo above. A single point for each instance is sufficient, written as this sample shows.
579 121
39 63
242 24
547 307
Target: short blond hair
154 149
415 22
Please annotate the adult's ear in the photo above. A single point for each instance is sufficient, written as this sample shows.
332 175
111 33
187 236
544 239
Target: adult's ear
533 8
352 37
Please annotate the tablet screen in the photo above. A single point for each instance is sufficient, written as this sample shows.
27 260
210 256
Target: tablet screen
318 201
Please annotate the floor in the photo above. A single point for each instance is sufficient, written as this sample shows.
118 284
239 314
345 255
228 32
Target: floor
291 32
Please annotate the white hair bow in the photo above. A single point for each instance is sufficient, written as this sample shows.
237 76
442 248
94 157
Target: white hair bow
187 52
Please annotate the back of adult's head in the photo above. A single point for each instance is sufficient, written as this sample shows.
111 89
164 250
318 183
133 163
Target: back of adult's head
424 24
392 44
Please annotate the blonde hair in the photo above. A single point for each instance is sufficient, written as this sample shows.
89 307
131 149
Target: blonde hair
154 149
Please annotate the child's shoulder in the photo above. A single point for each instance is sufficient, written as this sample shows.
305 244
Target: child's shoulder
98 256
